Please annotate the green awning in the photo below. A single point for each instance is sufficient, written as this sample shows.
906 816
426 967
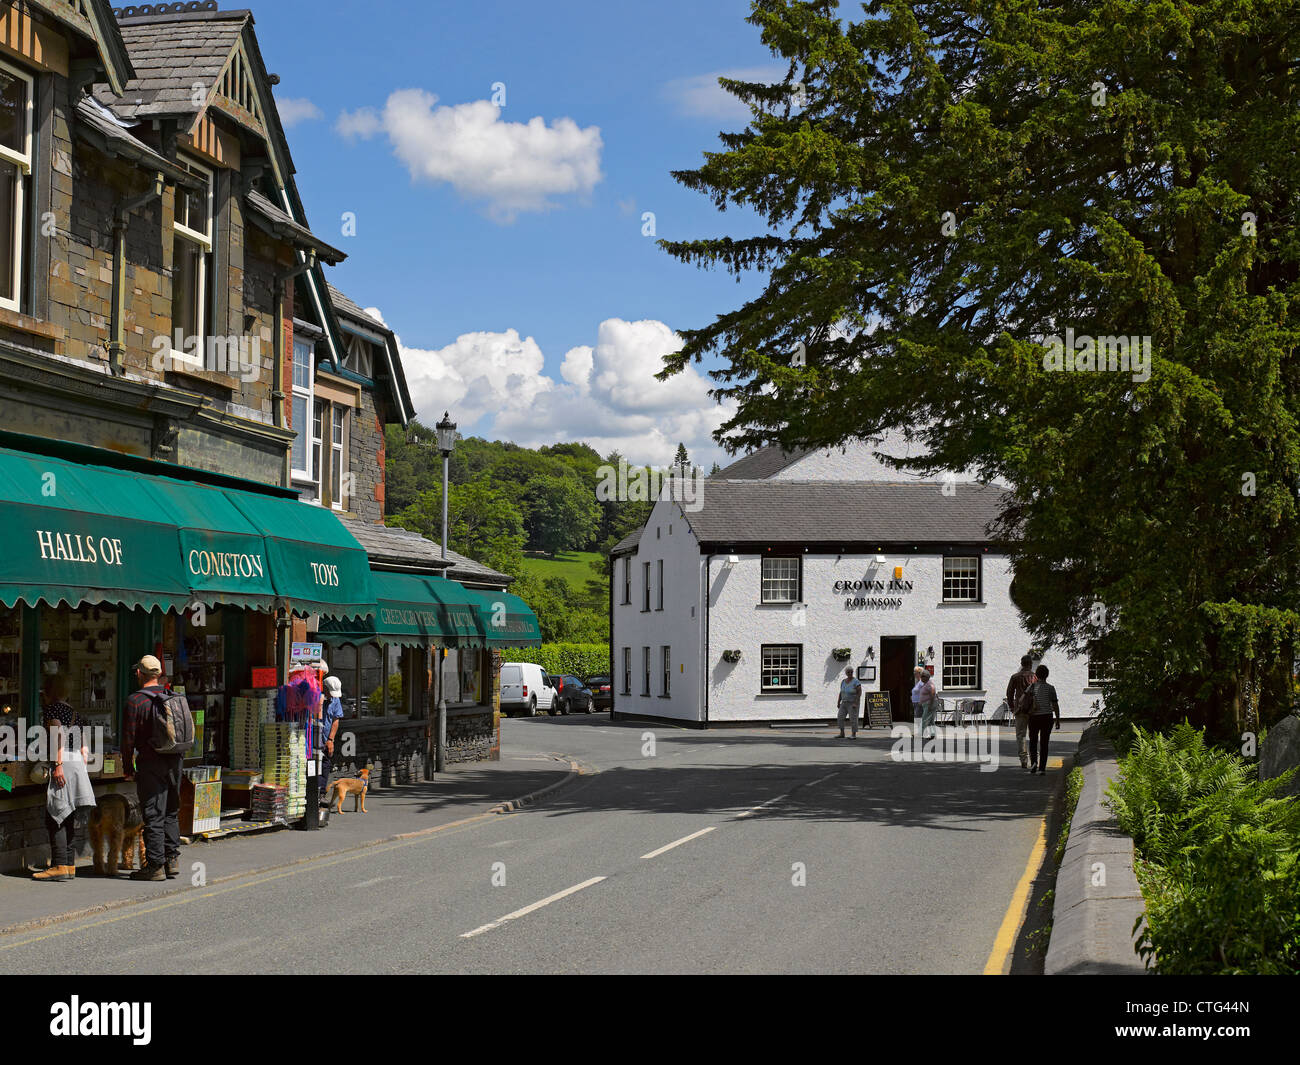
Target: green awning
414 610
506 619
76 532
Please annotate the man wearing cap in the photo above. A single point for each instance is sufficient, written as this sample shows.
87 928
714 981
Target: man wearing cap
157 777
331 714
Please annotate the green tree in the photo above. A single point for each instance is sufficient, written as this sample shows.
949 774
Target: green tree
482 521
560 513
945 187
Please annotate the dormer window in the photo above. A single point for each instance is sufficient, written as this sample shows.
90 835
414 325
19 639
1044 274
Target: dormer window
15 171
191 248
359 359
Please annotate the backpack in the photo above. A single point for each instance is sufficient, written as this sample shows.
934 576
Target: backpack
172 729
1026 703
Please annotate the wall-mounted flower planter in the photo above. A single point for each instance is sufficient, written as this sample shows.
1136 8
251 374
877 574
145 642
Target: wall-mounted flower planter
842 654
731 656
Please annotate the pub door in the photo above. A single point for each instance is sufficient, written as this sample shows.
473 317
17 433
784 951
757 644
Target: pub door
897 660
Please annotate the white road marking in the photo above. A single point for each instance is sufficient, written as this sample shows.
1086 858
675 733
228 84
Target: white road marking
678 843
529 909
754 809
376 880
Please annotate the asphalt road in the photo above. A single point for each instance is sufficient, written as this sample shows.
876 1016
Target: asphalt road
723 851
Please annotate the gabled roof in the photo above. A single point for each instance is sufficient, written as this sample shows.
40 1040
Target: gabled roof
402 548
268 216
849 512
628 544
760 464
108 133
350 311
95 20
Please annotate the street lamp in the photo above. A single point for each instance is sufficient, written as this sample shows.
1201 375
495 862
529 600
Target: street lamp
446 443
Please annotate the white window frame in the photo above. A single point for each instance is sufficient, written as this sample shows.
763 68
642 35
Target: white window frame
783 649
204 241
338 451
961 575
1097 679
949 667
23 161
316 444
308 393
766 581
359 358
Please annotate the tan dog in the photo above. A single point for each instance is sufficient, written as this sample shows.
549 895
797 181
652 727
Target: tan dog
355 786
116 822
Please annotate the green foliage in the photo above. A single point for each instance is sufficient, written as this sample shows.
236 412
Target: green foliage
560 513
940 187
376 698
1218 854
1073 787
580 659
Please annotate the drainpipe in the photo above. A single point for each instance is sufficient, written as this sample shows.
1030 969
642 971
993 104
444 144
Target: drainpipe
117 327
277 373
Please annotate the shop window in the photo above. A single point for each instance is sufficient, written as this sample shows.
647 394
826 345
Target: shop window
344 662
15 179
961 667
961 580
470 669
82 646
381 680
196 666
782 668
191 250
781 580
303 380
11 645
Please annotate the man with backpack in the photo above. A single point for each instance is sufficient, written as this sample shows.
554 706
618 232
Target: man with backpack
1019 684
157 731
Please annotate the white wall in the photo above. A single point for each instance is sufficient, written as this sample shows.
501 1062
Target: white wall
679 625
738 620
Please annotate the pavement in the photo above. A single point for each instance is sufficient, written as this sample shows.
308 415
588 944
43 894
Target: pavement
464 791
746 850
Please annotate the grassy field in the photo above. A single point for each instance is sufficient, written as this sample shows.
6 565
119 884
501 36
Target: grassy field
573 566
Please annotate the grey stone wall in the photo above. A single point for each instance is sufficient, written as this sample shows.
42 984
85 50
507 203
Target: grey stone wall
395 752
470 736
366 461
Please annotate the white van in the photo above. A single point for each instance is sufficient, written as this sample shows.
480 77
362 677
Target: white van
524 687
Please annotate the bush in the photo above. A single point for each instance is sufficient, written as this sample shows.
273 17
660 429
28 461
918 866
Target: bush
580 659
1219 857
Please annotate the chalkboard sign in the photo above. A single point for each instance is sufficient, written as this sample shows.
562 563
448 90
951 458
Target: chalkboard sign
879 710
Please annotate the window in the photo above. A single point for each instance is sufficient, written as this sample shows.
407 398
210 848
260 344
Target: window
15 171
645 662
1099 671
668 671
359 358
645 573
627 671
961 580
782 666
627 579
302 388
319 415
660 584
961 667
781 580
191 246
338 423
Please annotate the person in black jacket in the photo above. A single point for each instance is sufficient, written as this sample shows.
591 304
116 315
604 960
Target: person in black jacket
1046 708
157 777
1019 684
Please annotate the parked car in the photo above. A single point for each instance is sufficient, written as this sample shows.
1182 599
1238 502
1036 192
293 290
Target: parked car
574 695
602 691
524 688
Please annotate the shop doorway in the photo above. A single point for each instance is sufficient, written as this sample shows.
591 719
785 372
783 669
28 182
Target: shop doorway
897 660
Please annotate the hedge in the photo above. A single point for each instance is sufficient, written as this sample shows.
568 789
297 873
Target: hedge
580 659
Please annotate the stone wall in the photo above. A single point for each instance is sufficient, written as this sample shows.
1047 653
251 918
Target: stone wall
395 752
366 461
470 735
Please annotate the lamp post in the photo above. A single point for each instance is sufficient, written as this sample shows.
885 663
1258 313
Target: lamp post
446 442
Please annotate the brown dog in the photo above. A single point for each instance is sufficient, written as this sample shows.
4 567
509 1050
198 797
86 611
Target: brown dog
355 786
116 822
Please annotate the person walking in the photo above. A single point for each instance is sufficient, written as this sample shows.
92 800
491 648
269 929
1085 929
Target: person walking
328 727
69 788
1046 708
850 696
919 677
929 702
157 776
1019 684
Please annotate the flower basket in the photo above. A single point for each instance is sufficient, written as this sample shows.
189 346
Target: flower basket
842 654
731 656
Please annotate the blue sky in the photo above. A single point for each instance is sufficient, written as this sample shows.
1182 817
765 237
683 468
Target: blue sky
504 245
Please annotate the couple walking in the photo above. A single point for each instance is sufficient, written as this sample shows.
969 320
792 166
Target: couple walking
1035 705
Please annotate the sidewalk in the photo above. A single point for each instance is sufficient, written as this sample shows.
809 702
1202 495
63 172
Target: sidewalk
461 792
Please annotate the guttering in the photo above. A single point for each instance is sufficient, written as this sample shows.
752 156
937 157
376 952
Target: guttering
277 373
121 217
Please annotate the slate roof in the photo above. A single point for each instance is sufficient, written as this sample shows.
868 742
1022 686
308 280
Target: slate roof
628 543
824 512
401 547
170 53
765 462
279 223
350 309
108 132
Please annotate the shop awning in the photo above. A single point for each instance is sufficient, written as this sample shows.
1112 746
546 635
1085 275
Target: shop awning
414 610
506 620
76 532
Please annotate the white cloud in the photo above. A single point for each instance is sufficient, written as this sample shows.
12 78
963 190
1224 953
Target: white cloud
495 386
295 109
511 166
702 97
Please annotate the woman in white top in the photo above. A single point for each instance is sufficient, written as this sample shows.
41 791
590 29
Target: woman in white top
918 675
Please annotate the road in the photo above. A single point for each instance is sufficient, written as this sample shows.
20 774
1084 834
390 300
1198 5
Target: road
756 851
